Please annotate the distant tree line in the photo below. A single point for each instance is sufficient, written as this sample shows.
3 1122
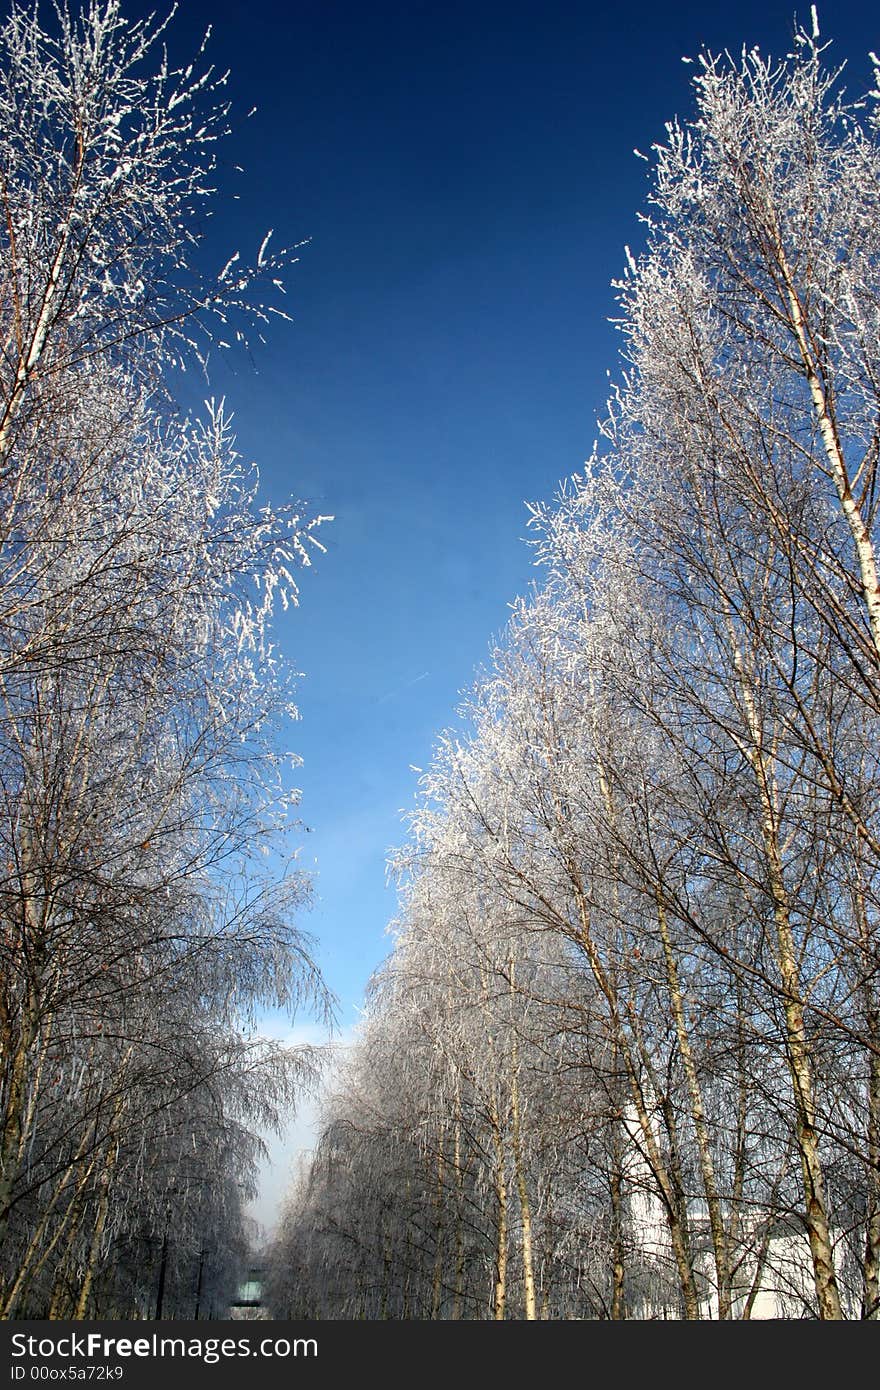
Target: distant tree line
141 700
624 1059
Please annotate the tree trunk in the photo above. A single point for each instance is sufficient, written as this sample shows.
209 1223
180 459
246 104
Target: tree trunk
437 1287
698 1115
499 1292
98 1233
458 1293
797 1043
618 1267
666 1188
866 559
525 1210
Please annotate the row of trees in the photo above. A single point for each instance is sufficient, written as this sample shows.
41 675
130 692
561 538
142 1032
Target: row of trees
624 1059
140 697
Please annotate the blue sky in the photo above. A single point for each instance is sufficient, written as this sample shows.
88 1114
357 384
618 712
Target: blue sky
466 176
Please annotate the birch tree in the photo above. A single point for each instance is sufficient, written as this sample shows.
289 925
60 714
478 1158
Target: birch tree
750 416
653 832
141 703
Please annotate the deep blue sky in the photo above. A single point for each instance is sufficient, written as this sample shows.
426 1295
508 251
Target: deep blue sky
465 173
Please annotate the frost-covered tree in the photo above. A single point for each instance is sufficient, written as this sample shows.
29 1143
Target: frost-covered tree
750 421
107 153
655 831
142 704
